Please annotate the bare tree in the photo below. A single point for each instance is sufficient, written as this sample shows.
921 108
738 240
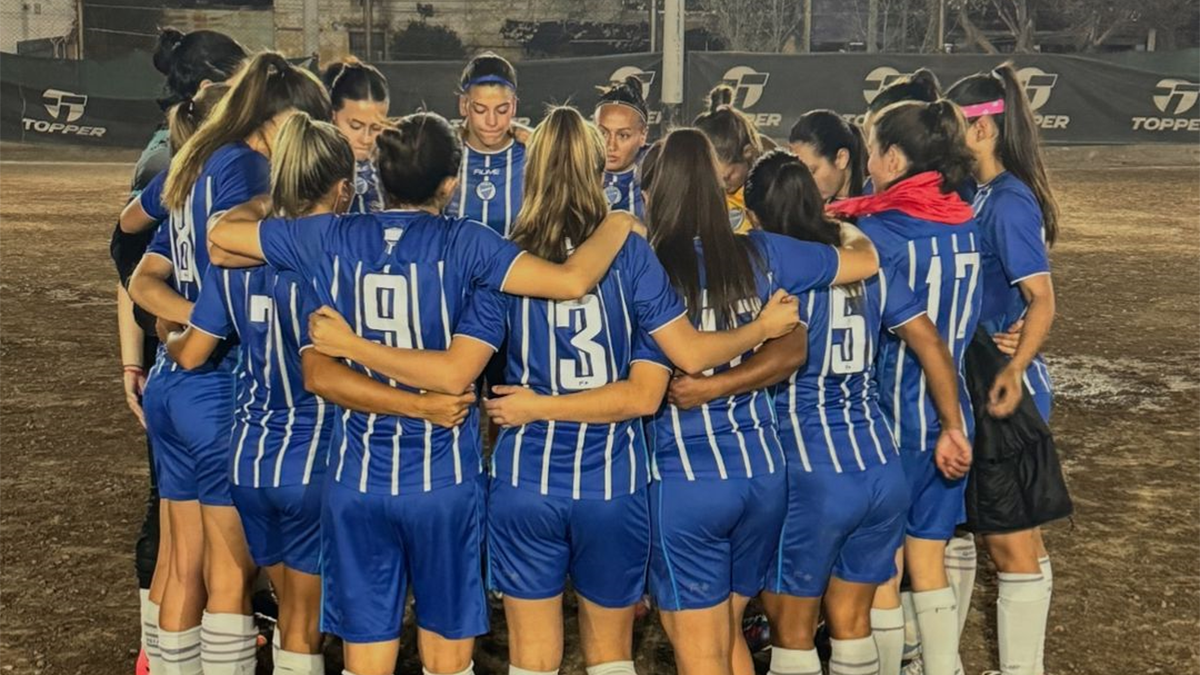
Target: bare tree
756 25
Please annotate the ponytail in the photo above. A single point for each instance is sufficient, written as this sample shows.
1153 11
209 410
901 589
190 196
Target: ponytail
1019 146
922 86
932 137
415 156
732 134
310 158
266 86
784 198
184 118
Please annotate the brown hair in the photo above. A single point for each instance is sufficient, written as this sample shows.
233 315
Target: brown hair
733 135
932 137
185 117
310 158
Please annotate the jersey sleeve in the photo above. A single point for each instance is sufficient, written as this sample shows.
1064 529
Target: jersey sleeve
800 266
160 243
646 349
307 302
244 178
295 245
209 314
484 317
1020 244
655 301
486 257
150 198
900 303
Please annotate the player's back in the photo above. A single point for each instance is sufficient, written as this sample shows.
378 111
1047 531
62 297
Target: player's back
941 264
560 347
490 187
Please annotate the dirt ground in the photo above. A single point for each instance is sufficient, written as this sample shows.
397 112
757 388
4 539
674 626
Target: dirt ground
1124 357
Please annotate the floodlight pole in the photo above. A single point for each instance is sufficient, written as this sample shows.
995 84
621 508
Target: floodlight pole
672 86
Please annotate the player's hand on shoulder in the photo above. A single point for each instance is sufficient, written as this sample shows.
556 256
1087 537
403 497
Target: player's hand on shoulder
331 333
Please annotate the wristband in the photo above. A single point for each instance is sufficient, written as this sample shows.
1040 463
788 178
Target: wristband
134 369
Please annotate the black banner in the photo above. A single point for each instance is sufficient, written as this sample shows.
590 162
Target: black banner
1076 100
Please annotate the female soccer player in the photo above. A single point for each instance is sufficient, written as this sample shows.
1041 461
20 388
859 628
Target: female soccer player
622 117
738 145
918 156
833 150
847 498
359 93
405 501
489 185
189 413
188 61
1018 219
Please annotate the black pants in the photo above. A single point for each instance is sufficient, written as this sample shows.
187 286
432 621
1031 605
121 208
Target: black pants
145 552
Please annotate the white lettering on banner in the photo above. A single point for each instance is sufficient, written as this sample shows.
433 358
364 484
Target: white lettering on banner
1175 97
66 108
1166 124
748 85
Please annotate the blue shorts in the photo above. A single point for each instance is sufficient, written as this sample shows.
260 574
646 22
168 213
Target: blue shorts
283 524
713 537
848 525
374 547
535 542
189 416
938 503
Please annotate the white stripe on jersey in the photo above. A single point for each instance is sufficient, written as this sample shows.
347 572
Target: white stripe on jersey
333 287
237 457
552 319
462 182
358 319
578 458
608 446
933 314
850 425
792 399
952 334
483 215
633 461
712 439
262 439
420 344
508 214
316 441
446 334
902 350
516 467
280 353
837 465
740 438
683 453
762 437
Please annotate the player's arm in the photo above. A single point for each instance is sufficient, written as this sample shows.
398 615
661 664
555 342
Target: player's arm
449 371
774 362
953 452
233 236
134 218
336 382
149 288
695 351
132 338
191 347
857 257
538 278
639 395
1009 387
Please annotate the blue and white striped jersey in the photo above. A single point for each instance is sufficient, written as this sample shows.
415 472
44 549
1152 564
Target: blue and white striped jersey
233 175
368 193
1014 249
828 410
490 186
563 347
941 264
623 190
735 437
281 431
404 279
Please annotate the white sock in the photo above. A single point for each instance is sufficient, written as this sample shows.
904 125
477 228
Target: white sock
937 615
912 633
960 571
612 668
887 628
276 643
150 631
1048 580
517 670
230 644
1021 621
469 670
180 652
854 657
295 663
794 662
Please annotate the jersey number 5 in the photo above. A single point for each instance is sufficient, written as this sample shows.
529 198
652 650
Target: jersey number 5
850 355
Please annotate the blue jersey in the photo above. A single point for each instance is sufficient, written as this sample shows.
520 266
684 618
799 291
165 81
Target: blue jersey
828 410
623 190
404 279
490 186
736 436
368 193
563 347
279 427
1014 249
941 264
233 175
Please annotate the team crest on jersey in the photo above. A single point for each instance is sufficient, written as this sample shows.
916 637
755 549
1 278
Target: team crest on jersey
736 216
613 194
485 190
360 185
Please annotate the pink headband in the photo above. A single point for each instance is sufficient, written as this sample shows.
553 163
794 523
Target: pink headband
980 109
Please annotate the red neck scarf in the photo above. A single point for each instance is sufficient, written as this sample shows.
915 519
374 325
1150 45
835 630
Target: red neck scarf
919 196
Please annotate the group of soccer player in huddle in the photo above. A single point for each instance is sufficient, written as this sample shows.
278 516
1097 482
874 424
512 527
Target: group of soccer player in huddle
717 370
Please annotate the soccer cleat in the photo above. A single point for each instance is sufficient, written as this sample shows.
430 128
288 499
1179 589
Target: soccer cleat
142 666
757 631
914 667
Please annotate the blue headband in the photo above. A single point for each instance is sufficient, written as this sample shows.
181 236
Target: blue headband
489 79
